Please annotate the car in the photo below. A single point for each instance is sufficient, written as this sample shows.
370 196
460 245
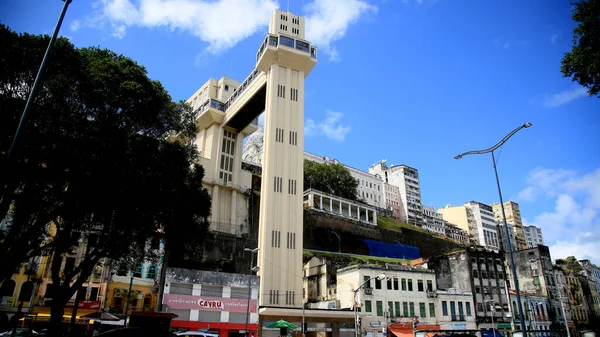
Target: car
21 332
196 334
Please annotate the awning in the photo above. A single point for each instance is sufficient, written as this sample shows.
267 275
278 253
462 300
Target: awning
490 333
401 331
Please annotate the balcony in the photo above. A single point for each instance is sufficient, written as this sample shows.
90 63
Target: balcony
275 49
368 291
212 111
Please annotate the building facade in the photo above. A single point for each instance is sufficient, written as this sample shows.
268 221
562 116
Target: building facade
537 314
407 180
433 221
477 219
212 301
457 234
533 236
480 272
513 217
392 200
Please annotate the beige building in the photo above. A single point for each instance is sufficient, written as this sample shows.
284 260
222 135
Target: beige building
513 217
477 219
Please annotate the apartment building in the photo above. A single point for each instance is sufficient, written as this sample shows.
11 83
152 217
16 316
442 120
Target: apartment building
407 180
404 293
513 217
477 219
433 221
479 272
392 200
507 238
533 236
458 235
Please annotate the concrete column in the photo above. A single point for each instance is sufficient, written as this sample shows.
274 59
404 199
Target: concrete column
321 202
367 215
358 212
234 222
340 207
331 204
375 219
215 204
226 292
194 315
349 210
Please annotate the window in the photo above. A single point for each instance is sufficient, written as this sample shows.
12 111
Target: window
397 307
390 309
468 307
294 94
291 186
226 87
293 138
367 279
429 285
377 283
412 309
475 274
431 310
420 285
368 306
405 308
379 308
281 90
422 310
389 284
278 182
444 308
152 270
410 287
138 271
279 135
291 240
286 41
460 311
275 239
477 289
453 308
404 284
395 284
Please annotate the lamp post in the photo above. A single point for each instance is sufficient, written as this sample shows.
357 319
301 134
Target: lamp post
356 327
510 248
492 310
252 269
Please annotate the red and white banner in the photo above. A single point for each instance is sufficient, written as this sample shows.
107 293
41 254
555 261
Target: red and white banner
204 303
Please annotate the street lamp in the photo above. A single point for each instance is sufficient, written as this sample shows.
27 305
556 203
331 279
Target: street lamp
510 248
252 269
356 328
492 310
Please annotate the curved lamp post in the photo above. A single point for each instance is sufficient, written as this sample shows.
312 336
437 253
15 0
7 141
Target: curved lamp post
510 249
356 325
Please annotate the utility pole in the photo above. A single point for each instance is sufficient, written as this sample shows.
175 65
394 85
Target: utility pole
252 269
127 305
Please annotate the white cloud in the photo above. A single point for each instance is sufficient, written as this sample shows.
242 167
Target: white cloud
75 25
221 23
224 23
329 127
328 20
563 97
573 226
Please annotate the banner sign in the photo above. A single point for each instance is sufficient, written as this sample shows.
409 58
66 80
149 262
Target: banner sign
203 303
85 305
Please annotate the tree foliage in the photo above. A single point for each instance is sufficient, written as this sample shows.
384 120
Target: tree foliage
582 63
93 164
570 264
330 178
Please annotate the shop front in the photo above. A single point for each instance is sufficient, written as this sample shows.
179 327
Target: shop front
219 315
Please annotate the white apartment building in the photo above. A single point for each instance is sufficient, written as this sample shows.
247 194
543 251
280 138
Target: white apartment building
407 180
533 236
433 221
405 293
477 219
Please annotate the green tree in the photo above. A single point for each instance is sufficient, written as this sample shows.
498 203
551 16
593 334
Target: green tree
570 264
94 166
330 178
582 63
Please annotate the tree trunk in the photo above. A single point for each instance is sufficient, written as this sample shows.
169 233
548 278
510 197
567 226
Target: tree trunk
57 310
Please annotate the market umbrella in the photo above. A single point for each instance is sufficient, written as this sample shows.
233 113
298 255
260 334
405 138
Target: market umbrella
282 324
103 316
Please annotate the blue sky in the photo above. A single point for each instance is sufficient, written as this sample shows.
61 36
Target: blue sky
413 82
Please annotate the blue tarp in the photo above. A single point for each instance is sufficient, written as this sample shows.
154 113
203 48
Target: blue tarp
392 250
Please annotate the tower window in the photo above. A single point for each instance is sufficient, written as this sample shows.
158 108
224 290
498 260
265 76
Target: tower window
281 91
279 135
226 87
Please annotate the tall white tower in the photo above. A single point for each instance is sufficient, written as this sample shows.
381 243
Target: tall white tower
286 59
